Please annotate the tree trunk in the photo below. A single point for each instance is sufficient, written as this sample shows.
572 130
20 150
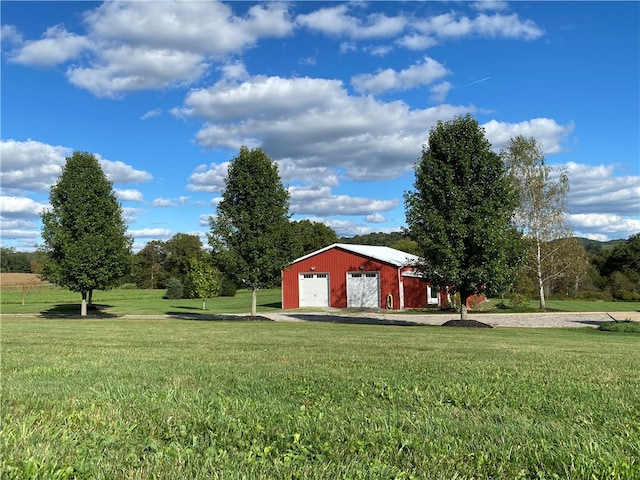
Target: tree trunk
463 304
254 301
90 300
83 305
204 304
539 274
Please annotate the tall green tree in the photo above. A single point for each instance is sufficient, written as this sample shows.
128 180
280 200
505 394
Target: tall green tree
181 250
86 247
251 228
460 211
148 269
541 210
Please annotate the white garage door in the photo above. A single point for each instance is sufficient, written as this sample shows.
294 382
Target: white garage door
363 290
314 289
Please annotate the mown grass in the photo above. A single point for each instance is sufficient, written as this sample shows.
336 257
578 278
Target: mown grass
55 301
167 398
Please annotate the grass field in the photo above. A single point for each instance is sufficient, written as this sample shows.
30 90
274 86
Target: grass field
166 398
51 300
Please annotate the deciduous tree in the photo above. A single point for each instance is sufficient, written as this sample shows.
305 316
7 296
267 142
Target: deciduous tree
205 279
85 242
541 210
251 227
460 211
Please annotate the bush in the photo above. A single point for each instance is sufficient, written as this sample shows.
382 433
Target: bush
627 326
228 288
174 289
519 301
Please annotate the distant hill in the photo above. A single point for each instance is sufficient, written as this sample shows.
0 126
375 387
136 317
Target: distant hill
388 239
380 238
596 247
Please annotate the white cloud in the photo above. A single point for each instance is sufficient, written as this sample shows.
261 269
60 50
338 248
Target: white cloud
313 123
20 207
130 214
120 172
163 202
321 201
376 218
155 233
451 25
203 220
422 73
336 21
56 46
416 41
546 131
30 165
129 195
208 179
440 91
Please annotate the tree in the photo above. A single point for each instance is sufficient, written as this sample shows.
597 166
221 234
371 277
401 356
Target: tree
251 228
205 279
308 236
85 243
149 266
540 214
460 211
180 250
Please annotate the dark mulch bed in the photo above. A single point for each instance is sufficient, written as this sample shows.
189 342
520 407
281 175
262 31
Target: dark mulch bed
256 318
466 323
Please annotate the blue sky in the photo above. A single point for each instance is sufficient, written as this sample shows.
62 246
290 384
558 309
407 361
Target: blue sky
341 95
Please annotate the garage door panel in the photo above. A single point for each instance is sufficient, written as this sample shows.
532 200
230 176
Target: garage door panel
363 290
314 289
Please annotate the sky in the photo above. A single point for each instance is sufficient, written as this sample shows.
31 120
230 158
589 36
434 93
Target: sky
340 95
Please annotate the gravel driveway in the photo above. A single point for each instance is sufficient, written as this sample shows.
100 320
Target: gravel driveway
544 320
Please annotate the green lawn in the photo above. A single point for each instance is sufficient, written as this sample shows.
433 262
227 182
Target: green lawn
166 398
55 301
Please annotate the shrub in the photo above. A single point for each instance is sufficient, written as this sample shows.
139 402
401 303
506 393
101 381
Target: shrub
519 301
228 288
627 326
174 289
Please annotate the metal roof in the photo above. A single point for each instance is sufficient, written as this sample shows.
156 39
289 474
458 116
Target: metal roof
382 254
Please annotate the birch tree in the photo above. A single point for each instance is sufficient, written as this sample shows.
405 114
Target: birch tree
541 211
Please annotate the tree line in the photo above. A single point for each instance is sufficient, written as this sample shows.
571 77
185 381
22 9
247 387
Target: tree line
479 221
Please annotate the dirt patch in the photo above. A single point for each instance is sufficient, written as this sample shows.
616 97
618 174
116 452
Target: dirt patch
466 323
16 279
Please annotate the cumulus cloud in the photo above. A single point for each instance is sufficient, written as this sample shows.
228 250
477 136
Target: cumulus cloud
20 207
440 91
421 73
336 21
56 46
208 178
132 46
321 201
163 202
129 195
546 131
155 233
151 113
313 123
376 218
30 165
120 172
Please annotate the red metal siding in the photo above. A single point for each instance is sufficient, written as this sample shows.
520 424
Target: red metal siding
337 262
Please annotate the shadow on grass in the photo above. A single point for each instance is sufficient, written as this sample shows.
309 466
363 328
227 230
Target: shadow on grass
219 317
310 317
72 310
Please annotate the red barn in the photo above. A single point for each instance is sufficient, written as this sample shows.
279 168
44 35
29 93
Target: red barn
343 275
